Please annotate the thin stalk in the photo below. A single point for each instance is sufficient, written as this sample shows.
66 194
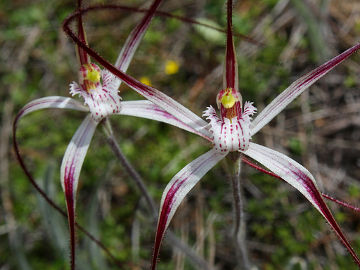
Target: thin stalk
129 168
171 238
239 230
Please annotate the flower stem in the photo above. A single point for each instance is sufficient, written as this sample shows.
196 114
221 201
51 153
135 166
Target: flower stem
129 168
239 231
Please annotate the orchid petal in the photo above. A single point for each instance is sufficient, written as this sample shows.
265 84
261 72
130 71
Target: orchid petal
296 88
147 109
301 179
53 102
231 68
178 188
70 170
82 55
132 42
167 104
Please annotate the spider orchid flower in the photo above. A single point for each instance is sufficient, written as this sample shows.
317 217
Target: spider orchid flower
232 131
99 89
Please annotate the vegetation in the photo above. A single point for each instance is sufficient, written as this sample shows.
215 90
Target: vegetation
320 130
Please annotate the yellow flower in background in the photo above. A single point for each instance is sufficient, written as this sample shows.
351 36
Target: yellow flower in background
145 80
171 67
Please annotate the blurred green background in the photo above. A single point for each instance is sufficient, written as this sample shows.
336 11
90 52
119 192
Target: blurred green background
320 130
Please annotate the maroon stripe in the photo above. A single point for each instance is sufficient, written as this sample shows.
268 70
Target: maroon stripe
69 193
83 56
230 70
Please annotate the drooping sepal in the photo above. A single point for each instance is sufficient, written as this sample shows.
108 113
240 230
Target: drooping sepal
301 179
176 190
70 171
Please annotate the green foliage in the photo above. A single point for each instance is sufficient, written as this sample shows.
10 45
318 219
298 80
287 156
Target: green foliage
108 200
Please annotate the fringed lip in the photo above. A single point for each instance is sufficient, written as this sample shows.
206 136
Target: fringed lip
102 98
230 134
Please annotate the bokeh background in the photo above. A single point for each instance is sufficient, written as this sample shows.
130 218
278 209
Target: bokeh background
320 130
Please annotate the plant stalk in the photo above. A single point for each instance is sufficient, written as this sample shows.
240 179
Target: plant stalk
239 230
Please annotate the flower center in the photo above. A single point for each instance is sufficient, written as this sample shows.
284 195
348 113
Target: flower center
99 90
230 134
90 75
229 103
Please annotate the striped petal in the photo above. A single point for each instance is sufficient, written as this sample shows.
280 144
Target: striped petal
132 42
177 189
53 102
296 88
301 179
70 170
147 109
